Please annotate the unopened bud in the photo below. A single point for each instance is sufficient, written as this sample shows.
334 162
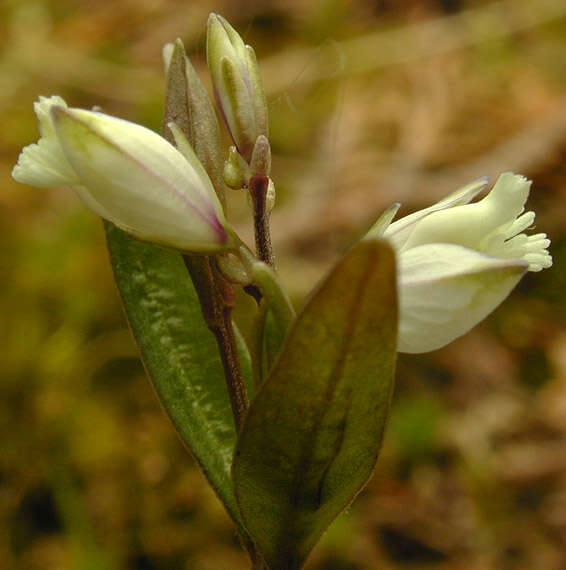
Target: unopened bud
234 269
236 170
238 88
260 164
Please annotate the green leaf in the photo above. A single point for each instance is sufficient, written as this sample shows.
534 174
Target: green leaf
180 354
314 430
274 335
268 339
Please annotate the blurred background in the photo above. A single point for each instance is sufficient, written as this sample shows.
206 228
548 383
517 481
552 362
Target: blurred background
371 102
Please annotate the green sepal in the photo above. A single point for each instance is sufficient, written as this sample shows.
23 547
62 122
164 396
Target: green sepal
180 355
259 99
314 430
188 105
382 223
240 118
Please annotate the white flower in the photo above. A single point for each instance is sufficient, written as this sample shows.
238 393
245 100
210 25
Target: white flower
127 174
458 261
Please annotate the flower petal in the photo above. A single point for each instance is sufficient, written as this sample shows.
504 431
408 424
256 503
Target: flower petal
469 225
447 289
140 180
43 164
398 232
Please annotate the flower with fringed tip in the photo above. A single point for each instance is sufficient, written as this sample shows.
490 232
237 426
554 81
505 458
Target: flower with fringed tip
127 174
457 261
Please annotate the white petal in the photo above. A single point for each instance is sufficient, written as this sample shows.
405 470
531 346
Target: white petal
510 192
465 194
42 110
445 290
469 225
398 233
140 180
520 224
91 202
43 164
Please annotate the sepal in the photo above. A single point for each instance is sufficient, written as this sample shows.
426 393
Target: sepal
188 105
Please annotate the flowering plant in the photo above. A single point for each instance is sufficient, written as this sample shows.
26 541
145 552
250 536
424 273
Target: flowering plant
287 427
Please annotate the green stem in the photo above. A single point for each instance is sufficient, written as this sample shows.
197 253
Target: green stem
274 294
266 278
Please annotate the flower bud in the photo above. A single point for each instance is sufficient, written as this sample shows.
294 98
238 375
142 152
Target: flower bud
127 174
236 170
260 163
458 261
237 84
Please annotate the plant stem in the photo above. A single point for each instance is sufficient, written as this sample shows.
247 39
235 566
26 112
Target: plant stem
231 361
274 293
266 284
256 344
258 190
216 298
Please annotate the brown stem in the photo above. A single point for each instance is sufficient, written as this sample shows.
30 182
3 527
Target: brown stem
258 190
231 362
216 298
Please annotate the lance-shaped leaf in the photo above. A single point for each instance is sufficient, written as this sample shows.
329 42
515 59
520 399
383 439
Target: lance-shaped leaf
180 354
314 430
273 339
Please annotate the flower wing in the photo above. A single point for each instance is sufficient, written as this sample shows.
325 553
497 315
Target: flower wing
446 289
398 232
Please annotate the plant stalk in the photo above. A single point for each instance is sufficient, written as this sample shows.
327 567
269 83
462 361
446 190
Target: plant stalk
226 341
217 300
258 190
